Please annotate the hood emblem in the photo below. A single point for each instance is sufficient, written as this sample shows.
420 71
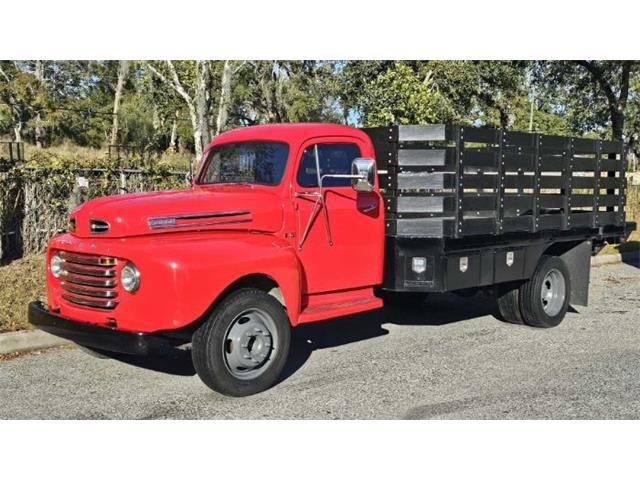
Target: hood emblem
98 226
201 219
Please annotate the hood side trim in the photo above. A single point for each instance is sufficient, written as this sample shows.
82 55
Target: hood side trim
171 221
200 224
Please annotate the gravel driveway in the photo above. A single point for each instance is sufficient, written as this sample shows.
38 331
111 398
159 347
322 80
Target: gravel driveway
450 360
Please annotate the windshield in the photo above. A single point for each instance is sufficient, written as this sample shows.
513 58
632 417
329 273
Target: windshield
246 162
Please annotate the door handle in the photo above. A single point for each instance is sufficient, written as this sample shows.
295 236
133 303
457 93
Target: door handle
369 208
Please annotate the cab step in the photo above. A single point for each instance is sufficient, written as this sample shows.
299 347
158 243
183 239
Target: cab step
330 305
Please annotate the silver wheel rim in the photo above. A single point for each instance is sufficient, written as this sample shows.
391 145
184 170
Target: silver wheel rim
552 293
250 344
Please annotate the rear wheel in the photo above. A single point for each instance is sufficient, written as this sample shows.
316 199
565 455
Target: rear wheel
508 298
243 346
544 299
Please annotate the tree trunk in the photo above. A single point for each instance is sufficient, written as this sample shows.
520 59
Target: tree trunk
617 122
17 131
39 131
225 97
201 132
197 131
173 146
123 73
198 103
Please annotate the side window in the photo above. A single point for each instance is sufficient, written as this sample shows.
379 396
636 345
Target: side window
335 158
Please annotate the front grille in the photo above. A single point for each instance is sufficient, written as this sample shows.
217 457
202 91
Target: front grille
89 280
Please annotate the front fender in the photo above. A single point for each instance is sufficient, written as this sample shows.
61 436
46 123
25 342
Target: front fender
183 274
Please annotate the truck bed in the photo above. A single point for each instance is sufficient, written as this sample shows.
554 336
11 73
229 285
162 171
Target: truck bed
446 181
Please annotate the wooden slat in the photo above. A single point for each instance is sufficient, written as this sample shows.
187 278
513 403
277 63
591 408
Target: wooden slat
421 133
549 181
480 181
522 223
479 202
551 201
480 135
432 157
583 182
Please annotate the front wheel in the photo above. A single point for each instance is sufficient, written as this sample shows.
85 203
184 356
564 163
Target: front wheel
544 300
243 346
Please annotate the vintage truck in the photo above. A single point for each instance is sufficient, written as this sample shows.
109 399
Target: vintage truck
296 223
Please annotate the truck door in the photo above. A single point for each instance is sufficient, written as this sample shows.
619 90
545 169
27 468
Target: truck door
340 232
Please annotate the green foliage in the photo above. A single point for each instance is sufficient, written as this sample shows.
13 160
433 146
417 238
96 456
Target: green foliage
74 101
402 95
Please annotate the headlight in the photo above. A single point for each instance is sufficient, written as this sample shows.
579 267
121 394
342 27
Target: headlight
56 265
130 277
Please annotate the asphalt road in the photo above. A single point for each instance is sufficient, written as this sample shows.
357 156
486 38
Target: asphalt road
451 359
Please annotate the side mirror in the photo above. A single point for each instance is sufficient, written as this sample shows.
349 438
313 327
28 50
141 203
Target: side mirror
363 171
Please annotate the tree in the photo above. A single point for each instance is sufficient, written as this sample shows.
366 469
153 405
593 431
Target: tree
192 82
464 92
613 79
40 131
285 91
123 73
23 93
229 70
594 93
402 95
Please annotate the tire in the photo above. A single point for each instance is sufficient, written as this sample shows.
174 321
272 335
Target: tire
508 298
544 299
243 346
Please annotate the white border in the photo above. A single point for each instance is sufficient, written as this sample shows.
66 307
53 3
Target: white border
332 29
320 449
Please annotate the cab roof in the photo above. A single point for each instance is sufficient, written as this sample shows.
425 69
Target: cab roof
290 132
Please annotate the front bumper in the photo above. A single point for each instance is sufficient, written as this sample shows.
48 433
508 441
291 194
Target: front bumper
94 336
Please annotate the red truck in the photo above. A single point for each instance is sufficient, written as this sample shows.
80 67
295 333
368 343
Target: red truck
296 223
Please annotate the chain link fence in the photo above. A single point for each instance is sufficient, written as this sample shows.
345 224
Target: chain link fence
35 202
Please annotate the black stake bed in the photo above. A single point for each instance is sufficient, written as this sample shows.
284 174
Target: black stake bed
445 181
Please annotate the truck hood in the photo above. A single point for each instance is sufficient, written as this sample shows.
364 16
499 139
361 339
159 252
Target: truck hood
220 208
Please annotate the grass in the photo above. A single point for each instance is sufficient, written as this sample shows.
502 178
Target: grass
630 246
21 281
95 157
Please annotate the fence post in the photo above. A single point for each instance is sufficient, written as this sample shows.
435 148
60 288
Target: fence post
123 183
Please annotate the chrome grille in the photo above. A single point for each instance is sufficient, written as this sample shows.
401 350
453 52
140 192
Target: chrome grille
89 280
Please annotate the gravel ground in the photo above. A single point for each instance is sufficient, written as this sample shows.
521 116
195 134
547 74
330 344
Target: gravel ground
451 360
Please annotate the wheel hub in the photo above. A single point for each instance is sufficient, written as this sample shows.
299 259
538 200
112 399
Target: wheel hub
553 292
249 344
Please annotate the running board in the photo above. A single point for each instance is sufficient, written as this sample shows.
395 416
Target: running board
329 305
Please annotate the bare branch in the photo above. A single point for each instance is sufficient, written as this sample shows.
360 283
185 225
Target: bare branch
6 77
173 83
177 85
239 67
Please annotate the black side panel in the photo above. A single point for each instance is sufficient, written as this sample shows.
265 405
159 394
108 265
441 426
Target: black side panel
398 272
458 264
